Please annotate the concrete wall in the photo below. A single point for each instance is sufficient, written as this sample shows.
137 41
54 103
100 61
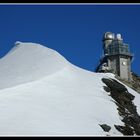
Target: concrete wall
121 66
113 63
124 68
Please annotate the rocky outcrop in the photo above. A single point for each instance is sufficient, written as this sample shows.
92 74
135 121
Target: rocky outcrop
134 83
105 127
126 108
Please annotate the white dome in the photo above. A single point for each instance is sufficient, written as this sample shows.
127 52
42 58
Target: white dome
108 35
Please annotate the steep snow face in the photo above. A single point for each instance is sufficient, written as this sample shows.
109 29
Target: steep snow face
28 62
43 94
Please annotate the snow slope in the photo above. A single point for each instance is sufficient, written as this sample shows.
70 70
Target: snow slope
41 93
28 62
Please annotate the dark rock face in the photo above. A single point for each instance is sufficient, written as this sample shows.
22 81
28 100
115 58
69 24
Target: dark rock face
107 89
105 127
126 109
134 83
126 130
115 85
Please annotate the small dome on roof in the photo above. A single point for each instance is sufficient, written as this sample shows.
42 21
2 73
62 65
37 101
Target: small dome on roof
108 35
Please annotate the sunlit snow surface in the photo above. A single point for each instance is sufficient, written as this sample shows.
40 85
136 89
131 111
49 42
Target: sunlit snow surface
41 93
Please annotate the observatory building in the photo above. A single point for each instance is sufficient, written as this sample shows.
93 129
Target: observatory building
117 57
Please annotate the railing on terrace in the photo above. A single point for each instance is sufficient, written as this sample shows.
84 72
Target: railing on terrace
120 49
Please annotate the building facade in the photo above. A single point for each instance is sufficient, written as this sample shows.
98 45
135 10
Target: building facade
117 57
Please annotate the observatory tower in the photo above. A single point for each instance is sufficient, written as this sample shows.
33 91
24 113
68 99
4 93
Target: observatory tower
117 57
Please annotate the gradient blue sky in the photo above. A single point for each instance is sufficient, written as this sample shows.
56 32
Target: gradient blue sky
75 31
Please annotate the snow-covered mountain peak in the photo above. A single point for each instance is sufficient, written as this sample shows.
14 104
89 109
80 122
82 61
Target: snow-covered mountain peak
29 47
28 62
17 42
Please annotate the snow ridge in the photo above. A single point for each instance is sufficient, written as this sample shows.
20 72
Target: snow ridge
27 62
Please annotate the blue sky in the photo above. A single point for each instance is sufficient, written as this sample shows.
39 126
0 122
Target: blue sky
75 31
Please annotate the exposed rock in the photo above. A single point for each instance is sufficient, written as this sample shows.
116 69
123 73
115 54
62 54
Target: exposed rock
126 108
105 127
107 89
134 83
113 84
126 130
